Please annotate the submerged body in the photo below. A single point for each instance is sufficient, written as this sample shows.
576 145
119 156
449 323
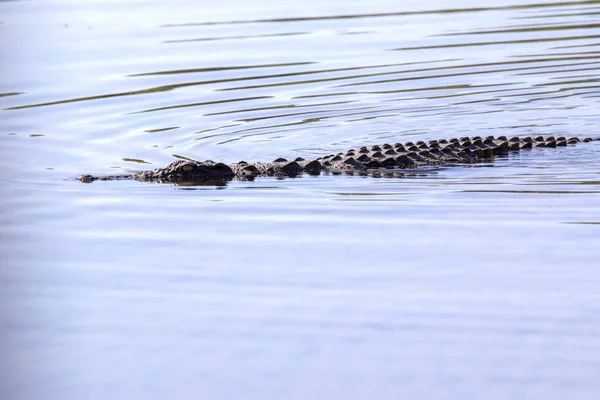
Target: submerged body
376 158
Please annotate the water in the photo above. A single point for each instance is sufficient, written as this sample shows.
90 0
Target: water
448 283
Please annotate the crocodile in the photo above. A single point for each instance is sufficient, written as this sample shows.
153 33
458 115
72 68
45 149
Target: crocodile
365 160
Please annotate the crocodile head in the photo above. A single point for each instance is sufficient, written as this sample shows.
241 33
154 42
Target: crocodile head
188 171
178 172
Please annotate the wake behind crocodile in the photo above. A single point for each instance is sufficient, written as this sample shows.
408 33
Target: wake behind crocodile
387 158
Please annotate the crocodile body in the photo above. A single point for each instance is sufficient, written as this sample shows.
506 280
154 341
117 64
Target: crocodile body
364 160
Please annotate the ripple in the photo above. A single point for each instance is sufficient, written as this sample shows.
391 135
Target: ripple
319 81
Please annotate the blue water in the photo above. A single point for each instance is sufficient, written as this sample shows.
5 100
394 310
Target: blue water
461 282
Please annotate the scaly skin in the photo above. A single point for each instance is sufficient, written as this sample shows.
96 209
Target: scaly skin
364 160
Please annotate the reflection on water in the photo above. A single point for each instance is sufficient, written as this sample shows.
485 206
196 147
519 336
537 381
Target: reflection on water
461 282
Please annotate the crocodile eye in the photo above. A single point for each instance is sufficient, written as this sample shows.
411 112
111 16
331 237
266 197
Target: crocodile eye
187 168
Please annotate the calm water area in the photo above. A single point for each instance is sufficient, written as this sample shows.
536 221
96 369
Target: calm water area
462 282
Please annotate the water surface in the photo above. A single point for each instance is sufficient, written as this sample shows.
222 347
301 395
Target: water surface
460 282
